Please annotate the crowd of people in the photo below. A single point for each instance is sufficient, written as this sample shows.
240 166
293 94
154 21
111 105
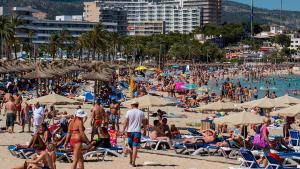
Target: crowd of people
53 130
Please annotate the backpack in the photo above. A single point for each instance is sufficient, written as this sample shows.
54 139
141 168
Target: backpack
259 141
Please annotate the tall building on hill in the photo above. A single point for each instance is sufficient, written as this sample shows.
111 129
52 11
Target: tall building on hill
147 17
98 12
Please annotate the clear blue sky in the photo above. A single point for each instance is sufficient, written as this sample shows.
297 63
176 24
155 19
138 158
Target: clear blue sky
292 5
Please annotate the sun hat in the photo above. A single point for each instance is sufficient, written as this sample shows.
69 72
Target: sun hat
80 113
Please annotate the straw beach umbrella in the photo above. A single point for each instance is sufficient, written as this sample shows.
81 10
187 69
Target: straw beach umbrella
265 103
286 99
54 99
290 111
97 76
148 101
219 106
242 118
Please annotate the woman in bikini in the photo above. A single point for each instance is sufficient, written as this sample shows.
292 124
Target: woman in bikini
77 136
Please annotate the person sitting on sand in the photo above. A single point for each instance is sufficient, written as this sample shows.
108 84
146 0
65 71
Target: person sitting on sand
158 134
45 160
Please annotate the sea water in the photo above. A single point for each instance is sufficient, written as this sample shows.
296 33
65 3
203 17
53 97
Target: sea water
281 84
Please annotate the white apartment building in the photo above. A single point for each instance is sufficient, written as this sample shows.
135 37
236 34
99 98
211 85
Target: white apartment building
295 41
146 18
75 18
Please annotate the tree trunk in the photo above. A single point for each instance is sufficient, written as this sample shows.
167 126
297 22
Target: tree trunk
15 51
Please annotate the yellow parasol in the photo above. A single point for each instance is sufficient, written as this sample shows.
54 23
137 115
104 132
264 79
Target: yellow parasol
141 68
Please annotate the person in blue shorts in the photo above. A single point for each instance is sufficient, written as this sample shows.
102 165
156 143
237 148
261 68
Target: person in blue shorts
133 124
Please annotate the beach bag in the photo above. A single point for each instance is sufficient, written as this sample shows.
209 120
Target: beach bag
259 141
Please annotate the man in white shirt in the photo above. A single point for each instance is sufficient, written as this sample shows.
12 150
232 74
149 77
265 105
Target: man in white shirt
134 121
38 116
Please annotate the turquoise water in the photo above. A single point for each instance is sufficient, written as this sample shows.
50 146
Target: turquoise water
280 84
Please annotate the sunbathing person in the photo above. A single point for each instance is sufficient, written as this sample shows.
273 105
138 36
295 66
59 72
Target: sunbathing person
36 142
209 136
103 139
45 160
158 134
174 131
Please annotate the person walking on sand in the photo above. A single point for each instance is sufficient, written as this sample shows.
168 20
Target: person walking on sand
134 122
10 111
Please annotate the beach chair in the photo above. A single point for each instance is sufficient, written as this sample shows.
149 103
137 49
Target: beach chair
153 144
294 135
21 153
99 154
64 157
114 151
274 164
194 132
249 160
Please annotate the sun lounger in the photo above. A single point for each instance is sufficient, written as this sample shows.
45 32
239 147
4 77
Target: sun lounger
98 153
152 144
295 136
249 160
21 153
63 156
114 151
274 164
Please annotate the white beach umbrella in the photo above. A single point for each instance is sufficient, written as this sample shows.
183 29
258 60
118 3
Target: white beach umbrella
290 111
219 106
265 103
242 118
286 99
148 101
53 99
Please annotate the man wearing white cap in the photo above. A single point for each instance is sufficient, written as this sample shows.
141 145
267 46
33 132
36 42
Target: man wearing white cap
134 121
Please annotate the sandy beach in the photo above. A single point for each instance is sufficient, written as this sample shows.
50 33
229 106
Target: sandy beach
145 159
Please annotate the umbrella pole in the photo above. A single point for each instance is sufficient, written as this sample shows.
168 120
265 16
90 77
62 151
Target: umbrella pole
95 91
148 116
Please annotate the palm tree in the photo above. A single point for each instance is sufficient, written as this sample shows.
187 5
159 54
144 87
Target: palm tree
115 41
97 40
14 41
54 44
6 32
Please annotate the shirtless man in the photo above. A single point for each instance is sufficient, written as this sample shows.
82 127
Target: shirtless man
18 102
10 111
114 114
25 117
5 98
98 118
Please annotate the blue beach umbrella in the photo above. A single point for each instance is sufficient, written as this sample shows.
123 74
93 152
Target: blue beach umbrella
175 66
189 86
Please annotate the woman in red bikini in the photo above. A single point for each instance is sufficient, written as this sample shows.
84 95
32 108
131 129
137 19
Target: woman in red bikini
77 136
